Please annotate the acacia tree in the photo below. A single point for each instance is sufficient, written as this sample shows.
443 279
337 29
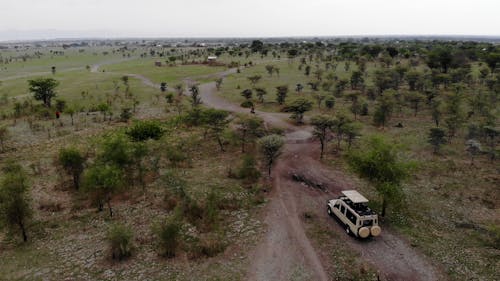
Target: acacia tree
322 125
15 209
73 163
384 109
260 92
473 147
270 69
195 95
436 138
247 94
4 135
379 164
218 83
43 89
254 79
298 108
103 181
248 129
216 121
281 93
271 147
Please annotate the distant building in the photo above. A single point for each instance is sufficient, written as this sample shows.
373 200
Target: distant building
212 59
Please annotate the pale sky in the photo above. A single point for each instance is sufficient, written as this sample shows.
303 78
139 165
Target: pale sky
35 19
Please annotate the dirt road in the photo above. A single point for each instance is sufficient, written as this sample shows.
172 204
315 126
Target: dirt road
284 250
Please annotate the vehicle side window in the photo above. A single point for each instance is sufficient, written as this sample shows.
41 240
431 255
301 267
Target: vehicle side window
337 205
342 209
351 216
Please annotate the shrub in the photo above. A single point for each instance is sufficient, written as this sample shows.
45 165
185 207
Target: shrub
120 241
175 155
246 104
247 170
144 130
211 245
126 114
169 234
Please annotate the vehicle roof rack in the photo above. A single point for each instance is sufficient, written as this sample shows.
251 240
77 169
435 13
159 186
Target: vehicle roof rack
354 196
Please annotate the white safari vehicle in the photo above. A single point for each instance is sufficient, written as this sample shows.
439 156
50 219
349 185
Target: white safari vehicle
351 209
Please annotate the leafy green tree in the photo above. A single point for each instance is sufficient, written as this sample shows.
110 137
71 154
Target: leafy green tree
218 83
473 147
15 207
104 108
455 113
179 88
270 69
281 93
322 124
352 131
169 235
254 79
271 147
4 135
319 99
60 105
43 89
379 164
73 162
436 111
163 87
103 181
437 138
330 102
248 129
247 94
384 109
440 57
71 110
298 108
217 121
260 92
195 96
415 99
357 79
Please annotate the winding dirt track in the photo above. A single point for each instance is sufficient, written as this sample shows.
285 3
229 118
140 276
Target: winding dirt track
284 248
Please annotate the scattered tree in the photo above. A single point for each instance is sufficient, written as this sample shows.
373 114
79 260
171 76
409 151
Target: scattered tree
72 161
298 108
43 89
322 125
379 164
271 146
15 208
437 138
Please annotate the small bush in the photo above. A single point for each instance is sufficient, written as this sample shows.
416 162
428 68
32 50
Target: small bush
145 130
120 241
126 114
175 155
212 245
247 170
246 104
169 234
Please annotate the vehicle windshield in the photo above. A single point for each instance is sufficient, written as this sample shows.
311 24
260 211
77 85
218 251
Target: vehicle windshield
367 222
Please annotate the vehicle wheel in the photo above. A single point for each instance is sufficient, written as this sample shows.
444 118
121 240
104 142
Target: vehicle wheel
329 211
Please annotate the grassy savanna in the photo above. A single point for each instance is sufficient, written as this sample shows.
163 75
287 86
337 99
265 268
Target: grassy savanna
42 59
